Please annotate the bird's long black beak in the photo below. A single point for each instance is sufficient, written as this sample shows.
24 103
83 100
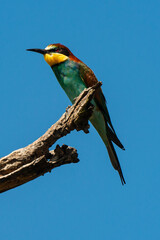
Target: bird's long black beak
41 51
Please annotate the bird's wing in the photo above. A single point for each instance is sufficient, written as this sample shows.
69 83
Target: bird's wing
90 79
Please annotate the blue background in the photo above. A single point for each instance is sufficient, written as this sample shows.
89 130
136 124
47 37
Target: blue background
120 41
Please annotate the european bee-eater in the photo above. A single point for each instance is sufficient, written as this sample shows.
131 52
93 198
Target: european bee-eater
74 76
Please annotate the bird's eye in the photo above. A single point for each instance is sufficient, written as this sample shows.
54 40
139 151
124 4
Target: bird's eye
57 50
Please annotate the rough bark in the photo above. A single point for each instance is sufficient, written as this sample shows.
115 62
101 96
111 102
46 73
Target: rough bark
34 160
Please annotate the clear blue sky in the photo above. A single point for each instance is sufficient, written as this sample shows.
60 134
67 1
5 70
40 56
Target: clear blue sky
120 41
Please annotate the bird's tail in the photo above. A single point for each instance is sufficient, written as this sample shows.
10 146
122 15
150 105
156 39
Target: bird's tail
108 136
112 154
114 159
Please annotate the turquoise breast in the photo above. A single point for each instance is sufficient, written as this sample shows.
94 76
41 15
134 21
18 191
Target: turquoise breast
68 76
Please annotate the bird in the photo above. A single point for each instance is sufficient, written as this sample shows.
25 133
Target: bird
74 76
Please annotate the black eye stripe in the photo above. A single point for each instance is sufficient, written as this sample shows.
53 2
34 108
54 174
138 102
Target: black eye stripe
51 50
59 50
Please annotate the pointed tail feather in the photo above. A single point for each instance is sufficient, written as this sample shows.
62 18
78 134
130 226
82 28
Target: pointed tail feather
114 160
112 135
107 135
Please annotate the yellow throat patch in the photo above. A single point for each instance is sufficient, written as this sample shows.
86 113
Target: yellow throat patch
54 58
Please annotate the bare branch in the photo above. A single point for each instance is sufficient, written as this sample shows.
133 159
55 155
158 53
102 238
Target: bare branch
34 160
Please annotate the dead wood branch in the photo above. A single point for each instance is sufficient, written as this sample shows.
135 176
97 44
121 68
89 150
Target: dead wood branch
34 160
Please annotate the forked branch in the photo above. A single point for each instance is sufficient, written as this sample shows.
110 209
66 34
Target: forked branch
34 160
